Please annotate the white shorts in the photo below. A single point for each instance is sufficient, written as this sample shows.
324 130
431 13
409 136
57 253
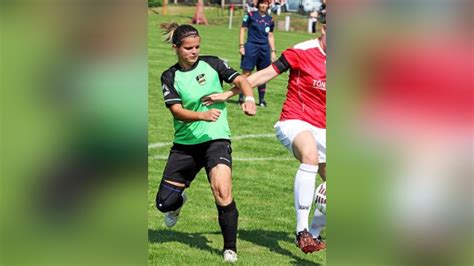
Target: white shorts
287 130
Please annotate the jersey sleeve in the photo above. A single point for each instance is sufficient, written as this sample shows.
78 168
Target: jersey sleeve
292 57
283 64
225 72
170 94
246 20
272 25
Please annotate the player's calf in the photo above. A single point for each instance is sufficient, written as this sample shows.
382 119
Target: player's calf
228 221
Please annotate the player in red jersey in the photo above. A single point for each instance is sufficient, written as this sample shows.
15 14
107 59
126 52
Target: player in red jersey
302 127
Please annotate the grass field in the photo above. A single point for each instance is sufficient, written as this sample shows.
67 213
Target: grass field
262 171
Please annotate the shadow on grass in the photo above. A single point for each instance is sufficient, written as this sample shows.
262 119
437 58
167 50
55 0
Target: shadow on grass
269 239
193 240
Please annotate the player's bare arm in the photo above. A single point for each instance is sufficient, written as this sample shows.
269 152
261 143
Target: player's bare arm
243 31
263 76
271 41
256 79
190 116
248 106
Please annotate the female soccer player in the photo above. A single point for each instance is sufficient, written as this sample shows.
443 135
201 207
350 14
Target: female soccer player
259 50
201 132
302 127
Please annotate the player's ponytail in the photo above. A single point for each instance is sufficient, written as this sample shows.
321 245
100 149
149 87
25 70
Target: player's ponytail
176 33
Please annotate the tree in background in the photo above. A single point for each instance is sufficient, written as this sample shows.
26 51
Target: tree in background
155 3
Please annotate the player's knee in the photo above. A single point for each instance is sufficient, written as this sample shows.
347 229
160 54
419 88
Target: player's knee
222 194
310 158
169 197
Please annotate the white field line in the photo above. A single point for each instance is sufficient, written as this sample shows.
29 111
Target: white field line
160 157
249 136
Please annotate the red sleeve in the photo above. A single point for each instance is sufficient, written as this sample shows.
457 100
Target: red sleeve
288 59
291 55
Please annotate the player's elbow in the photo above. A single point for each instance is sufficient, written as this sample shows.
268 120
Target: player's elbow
240 81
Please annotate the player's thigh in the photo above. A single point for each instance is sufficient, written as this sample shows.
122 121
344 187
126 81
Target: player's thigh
287 131
220 178
219 168
264 58
319 135
182 166
249 60
305 148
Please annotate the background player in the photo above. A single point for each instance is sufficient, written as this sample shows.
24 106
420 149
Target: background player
259 50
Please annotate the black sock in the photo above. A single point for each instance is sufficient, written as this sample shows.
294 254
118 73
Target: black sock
261 93
228 216
241 97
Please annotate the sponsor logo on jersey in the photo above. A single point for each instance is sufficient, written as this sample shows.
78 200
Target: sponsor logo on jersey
267 29
245 18
201 79
319 84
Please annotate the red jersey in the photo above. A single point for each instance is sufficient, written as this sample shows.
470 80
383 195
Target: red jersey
306 96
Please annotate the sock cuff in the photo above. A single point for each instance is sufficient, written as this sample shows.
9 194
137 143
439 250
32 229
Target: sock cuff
229 208
309 168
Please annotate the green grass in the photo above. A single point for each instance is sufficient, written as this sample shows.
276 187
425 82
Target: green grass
263 190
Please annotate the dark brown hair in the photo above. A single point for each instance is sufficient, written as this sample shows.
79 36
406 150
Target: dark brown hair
261 2
176 33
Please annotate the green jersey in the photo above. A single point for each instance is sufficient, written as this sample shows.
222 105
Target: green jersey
187 87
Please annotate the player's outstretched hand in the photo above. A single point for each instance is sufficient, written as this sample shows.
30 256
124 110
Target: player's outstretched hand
249 108
211 115
214 98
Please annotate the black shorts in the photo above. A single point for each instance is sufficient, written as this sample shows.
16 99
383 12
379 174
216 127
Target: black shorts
185 161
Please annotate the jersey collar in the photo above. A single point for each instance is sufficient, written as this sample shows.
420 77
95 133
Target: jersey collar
318 44
191 68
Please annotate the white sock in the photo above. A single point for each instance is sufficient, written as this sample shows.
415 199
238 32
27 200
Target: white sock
305 181
319 221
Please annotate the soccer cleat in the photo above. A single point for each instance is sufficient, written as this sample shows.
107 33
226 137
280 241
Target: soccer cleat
321 244
171 218
230 256
262 103
304 240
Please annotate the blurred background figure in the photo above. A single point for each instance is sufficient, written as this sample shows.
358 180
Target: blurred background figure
313 19
76 131
251 6
275 7
322 12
